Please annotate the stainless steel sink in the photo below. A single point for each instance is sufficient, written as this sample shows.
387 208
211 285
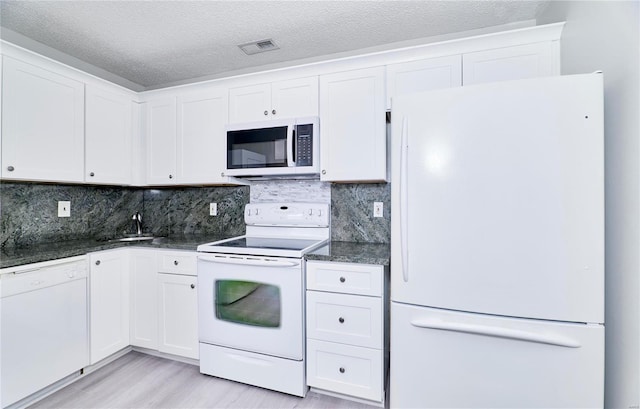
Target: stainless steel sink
136 238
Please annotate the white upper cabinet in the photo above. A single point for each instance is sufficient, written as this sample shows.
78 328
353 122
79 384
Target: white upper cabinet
353 144
511 63
423 75
108 137
42 124
160 136
282 99
201 143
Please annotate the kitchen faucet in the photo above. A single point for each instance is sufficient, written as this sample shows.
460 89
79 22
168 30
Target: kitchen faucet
137 221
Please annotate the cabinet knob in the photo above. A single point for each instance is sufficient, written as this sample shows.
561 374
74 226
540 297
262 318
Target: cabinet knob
175 262
170 176
341 320
97 262
342 279
324 172
222 174
273 112
193 286
92 174
10 168
266 112
342 370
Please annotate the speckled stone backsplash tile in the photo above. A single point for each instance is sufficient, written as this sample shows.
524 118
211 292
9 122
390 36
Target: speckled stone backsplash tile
352 213
185 211
29 212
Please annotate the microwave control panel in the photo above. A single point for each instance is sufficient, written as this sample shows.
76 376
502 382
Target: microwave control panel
304 142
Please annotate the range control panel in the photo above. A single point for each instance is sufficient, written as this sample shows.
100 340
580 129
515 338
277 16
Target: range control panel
287 214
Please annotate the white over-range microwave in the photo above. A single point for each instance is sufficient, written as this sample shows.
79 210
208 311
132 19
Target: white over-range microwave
273 148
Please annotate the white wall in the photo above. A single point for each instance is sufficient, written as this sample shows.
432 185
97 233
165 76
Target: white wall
604 35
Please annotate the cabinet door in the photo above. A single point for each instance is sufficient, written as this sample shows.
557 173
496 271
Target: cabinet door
250 103
294 98
109 303
178 305
161 141
144 298
511 63
423 75
353 143
202 154
42 124
108 137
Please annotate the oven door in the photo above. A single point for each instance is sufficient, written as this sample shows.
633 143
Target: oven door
251 303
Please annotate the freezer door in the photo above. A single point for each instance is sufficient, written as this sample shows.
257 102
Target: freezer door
498 199
444 359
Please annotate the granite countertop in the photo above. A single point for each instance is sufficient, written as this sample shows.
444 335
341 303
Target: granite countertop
339 251
352 252
12 257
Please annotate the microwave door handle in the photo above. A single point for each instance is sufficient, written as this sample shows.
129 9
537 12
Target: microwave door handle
291 146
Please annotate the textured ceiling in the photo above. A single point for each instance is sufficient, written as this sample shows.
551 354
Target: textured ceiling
154 43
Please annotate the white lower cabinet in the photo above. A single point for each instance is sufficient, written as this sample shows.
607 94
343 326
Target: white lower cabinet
178 315
144 298
347 349
109 303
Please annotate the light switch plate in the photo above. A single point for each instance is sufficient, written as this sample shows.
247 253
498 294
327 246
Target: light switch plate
64 208
378 209
213 209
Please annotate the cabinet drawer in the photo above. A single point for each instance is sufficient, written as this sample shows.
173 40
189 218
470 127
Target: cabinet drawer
347 319
350 278
346 369
178 263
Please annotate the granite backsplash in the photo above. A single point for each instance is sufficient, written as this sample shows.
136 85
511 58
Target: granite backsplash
28 211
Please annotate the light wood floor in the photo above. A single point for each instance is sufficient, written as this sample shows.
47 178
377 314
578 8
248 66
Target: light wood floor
138 380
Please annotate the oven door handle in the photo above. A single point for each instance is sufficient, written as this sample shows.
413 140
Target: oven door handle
250 261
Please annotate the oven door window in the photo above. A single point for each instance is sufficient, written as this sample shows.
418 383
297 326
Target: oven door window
248 303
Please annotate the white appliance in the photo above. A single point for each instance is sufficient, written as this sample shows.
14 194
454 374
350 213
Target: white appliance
44 327
273 148
251 296
497 249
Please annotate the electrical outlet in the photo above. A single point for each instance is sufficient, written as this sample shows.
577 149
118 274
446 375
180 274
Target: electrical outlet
377 209
64 208
213 209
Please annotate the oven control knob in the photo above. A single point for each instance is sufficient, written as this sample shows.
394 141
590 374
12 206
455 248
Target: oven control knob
310 212
341 320
342 279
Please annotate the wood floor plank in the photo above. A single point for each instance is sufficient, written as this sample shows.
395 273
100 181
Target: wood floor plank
138 380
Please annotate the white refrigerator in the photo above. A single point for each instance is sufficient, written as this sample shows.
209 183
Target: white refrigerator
497 246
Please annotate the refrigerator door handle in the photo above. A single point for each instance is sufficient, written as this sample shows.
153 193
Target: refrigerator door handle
498 332
404 198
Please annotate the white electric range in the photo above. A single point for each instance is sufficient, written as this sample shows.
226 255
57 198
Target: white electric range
251 296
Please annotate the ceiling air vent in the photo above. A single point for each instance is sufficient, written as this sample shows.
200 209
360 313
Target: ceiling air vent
259 46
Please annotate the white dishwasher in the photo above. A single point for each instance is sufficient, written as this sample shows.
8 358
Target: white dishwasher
43 327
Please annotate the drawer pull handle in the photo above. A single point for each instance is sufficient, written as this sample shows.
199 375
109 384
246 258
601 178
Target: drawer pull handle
193 286
342 370
175 262
342 279
341 320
